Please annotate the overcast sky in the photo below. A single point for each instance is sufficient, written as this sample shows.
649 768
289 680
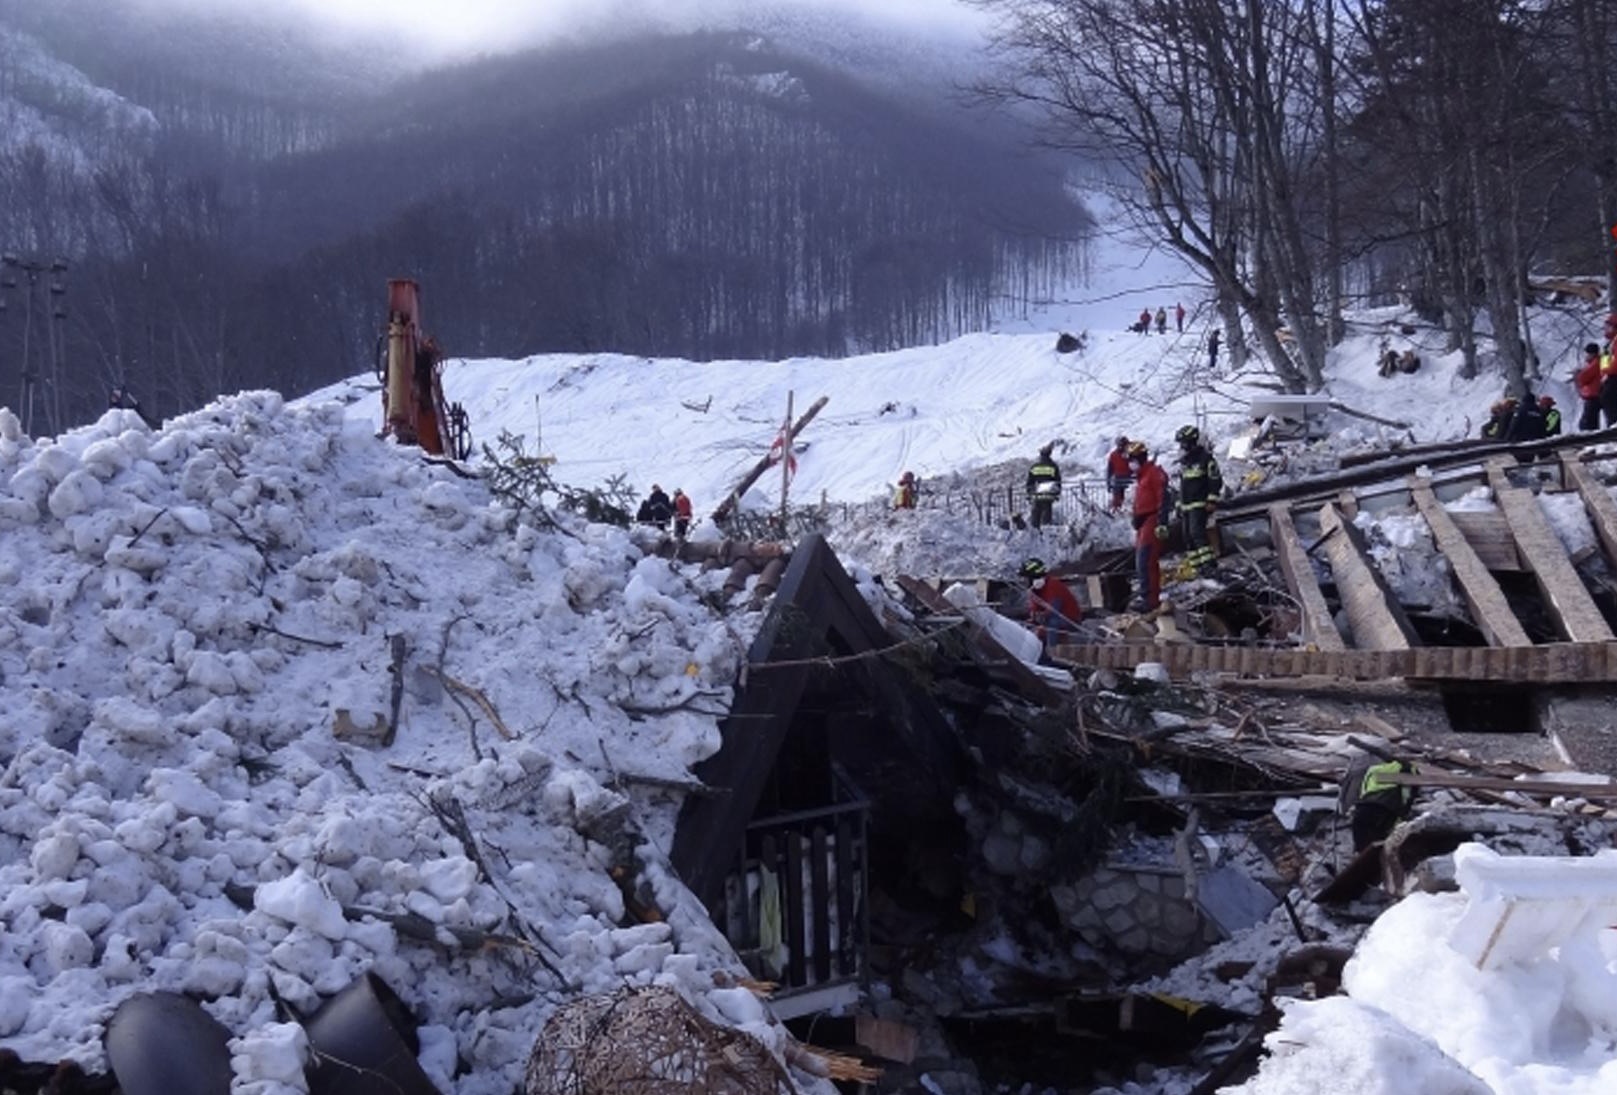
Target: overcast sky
457 26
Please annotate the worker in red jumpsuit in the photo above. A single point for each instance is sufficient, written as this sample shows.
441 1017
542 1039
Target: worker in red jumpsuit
682 513
1118 473
1587 380
1152 503
1052 610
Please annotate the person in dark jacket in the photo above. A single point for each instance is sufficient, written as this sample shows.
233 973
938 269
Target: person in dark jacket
1587 382
1212 349
658 508
1043 487
1499 419
1201 483
1527 424
1552 416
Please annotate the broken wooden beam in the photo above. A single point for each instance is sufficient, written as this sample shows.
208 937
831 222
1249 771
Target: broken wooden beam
1575 611
767 461
1490 611
1547 663
1544 788
1488 533
1319 629
1374 615
1598 502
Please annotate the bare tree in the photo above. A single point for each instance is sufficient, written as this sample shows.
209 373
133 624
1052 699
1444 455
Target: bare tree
1200 101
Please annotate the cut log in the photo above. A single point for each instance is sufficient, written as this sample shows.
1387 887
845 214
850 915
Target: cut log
1490 611
1575 611
1377 620
1319 629
1597 500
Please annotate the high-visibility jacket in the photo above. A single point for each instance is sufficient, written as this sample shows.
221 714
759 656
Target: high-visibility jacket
1377 790
1044 480
1199 479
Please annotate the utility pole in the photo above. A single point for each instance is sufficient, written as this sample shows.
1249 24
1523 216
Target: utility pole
55 337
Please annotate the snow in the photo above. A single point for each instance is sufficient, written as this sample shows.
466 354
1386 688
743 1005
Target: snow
184 615
187 614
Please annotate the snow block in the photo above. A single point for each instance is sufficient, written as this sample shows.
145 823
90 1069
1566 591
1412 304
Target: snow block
1018 640
1521 906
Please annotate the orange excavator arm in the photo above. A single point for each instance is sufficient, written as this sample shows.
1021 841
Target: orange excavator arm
413 408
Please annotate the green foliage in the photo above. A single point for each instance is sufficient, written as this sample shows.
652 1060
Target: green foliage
523 482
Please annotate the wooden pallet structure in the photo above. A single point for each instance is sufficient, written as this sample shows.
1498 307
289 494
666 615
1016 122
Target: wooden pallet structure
1516 538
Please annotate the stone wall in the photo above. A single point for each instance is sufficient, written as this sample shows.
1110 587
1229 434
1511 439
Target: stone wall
1141 912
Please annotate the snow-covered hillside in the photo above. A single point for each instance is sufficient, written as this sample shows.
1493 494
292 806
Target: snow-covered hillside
51 106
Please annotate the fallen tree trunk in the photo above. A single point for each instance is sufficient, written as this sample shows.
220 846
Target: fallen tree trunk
728 506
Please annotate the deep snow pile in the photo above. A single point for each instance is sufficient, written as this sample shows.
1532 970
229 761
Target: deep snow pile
182 616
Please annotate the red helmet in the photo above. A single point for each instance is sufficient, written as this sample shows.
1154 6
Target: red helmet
1546 401
907 477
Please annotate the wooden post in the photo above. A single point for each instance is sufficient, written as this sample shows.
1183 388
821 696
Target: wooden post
1568 599
785 460
1490 611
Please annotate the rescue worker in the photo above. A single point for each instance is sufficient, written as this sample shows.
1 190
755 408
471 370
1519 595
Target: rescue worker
1587 381
1118 475
1380 805
1052 609
657 509
1608 378
1527 424
1152 504
1043 487
904 494
1552 416
1162 321
1200 485
682 513
1499 419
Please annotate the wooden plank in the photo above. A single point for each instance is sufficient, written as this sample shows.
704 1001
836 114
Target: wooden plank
1546 663
1569 601
1319 629
1543 788
820 898
792 901
1489 609
1488 533
1377 621
1597 501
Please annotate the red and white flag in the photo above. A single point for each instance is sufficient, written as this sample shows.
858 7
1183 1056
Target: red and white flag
779 447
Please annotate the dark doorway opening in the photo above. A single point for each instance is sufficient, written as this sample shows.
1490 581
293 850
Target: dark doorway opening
1490 709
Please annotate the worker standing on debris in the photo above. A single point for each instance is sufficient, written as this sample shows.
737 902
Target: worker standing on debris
1200 485
1527 424
1052 610
682 513
1152 503
656 509
904 494
1608 375
1118 473
1043 487
1380 804
1587 381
